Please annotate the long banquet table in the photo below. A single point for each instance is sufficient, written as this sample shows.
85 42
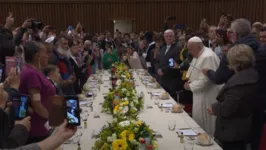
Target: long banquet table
157 119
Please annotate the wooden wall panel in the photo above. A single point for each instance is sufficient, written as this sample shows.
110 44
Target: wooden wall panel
97 15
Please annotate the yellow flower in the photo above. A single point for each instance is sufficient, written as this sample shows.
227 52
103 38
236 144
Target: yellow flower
139 122
127 135
119 144
116 109
126 103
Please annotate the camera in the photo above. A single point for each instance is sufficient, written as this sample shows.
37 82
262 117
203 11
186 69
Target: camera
36 24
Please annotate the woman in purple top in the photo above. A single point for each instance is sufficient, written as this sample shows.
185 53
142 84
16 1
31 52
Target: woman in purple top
38 87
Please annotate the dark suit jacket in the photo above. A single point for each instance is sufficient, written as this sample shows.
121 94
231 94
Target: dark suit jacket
223 73
149 52
77 70
234 107
172 77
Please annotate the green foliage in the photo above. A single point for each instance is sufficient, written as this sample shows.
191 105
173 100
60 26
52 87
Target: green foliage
117 101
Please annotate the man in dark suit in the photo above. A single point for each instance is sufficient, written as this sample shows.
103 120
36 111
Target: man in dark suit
76 67
147 54
170 78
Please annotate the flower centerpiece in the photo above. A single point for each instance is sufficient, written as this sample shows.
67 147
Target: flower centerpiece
124 135
123 101
126 130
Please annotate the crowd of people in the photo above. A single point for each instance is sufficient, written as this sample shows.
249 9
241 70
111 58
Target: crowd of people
219 73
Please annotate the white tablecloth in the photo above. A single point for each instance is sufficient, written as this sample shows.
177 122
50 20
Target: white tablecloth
157 119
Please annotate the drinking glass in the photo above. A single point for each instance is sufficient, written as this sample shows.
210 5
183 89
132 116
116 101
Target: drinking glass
156 101
149 90
171 125
188 143
178 95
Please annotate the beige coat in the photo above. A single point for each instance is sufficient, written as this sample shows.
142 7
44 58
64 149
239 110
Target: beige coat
134 61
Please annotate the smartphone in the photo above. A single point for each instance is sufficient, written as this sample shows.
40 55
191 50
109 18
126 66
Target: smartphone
1 72
72 110
18 66
171 63
20 107
220 32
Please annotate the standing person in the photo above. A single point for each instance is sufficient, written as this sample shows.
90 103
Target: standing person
89 57
18 134
60 58
233 126
52 74
109 58
256 28
38 87
204 91
211 36
185 97
133 58
241 34
76 67
109 40
147 54
141 50
158 39
170 78
263 36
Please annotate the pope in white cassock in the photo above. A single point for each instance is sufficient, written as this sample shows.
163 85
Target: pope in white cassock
204 91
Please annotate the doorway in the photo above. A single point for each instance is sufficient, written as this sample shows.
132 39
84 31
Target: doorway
124 26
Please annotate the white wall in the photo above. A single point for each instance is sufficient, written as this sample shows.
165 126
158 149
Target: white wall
124 26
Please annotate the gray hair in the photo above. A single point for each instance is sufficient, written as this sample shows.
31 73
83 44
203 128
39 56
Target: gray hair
240 57
169 31
241 26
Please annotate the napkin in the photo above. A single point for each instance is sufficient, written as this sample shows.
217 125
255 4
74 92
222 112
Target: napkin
186 132
166 105
156 93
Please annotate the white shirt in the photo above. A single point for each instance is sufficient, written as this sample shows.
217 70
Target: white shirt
167 48
74 58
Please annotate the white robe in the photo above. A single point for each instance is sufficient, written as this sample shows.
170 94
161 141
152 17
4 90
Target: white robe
204 91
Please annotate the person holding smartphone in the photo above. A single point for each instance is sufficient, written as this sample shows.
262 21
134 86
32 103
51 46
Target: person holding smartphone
38 87
18 135
170 78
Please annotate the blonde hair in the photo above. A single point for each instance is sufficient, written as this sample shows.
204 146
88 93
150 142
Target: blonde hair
240 57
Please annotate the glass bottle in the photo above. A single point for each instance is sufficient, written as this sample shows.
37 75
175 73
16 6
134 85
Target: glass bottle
79 148
85 124
142 145
161 107
147 138
182 138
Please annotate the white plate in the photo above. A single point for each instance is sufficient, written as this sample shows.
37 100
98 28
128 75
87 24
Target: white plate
211 143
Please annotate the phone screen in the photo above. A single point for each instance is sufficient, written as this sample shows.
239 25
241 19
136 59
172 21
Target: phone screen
171 62
20 107
18 66
72 111
1 73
